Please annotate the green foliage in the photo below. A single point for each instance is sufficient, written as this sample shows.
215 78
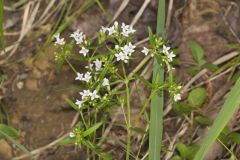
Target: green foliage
234 137
182 108
197 97
187 152
11 132
203 120
198 55
231 104
157 100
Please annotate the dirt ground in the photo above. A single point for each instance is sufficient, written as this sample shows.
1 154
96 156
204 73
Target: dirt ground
33 95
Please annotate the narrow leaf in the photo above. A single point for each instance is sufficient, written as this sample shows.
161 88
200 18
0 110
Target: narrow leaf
11 132
92 129
231 104
156 114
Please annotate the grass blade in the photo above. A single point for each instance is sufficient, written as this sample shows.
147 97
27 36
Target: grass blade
21 147
231 104
156 115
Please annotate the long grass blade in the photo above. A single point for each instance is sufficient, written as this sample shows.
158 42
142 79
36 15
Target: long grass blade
231 104
21 147
156 115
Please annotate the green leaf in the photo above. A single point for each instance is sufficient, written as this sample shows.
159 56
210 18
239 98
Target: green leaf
151 37
234 137
197 97
92 129
182 149
67 140
197 52
11 132
176 158
157 100
230 106
70 102
223 135
202 120
21 147
192 150
211 67
193 70
182 108
59 65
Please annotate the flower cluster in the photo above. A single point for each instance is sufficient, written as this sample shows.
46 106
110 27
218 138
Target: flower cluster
126 30
102 71
125 52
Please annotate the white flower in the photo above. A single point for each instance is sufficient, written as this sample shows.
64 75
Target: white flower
78 36
79 103
90 66
171 56
104 29
79 77
145 51
117 47
177 97
84 51
165 49
105 82
126 30
128 49
72 135
87 77
94 95
111 30
85 94
59 41
115 24
122 56
98 64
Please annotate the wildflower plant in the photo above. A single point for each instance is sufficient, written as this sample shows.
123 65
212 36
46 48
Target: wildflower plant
106 59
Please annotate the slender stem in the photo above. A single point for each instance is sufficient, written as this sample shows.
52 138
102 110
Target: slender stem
128 113
128 121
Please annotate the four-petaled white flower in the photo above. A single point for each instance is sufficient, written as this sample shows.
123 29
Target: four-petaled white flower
84 51
177 97
78 36
85 94
87 77
110 30
105 82
94 95
79 103
72 135
128 49
90 66
165 49
98 64
127 29
59 41
79 77
145 51
171 56
122 56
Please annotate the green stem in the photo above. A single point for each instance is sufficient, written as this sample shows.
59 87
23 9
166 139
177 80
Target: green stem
128 113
